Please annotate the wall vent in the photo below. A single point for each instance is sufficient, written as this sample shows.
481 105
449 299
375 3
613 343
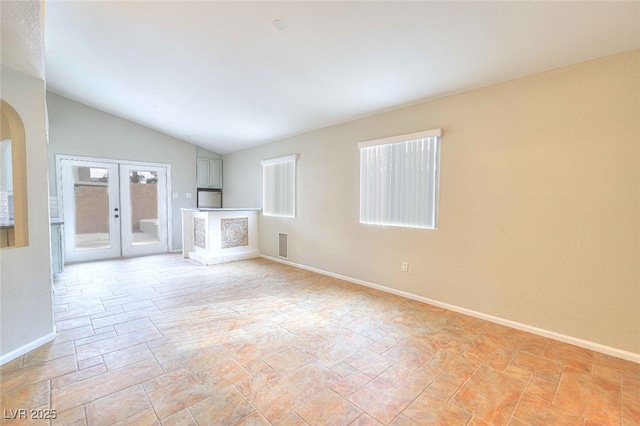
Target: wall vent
283 250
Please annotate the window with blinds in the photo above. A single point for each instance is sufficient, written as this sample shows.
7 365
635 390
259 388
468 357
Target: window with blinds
399 180
279 186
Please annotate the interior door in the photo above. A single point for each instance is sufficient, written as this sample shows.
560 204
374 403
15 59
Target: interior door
91 204
143 191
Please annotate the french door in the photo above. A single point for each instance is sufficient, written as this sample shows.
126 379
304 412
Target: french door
113 209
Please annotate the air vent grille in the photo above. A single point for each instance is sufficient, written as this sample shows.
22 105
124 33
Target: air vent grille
283 249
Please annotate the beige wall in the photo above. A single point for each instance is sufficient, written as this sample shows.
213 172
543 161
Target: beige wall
77 129
26 307
205 153
5 131
91 209
92 206
144 203
539 202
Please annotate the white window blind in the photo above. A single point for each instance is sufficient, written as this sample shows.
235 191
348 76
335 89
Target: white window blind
399 180
279 186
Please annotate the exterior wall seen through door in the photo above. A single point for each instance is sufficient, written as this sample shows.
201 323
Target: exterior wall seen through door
91 203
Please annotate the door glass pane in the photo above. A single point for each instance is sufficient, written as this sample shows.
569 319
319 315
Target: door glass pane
91 197
144 207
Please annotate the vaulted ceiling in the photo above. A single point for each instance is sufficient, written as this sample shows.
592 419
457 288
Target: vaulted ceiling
221 75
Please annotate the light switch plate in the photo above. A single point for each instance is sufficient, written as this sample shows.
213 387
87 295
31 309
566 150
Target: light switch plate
176 195
188 195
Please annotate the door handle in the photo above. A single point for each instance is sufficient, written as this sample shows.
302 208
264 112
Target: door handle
116 209
116 216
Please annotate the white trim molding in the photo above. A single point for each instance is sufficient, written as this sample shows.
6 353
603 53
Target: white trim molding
587 344
286 158
27 348
401 138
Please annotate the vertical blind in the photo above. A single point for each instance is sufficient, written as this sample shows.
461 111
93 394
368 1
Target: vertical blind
279 186
399 180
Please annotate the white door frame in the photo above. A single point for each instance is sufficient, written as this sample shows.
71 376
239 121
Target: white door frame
60 157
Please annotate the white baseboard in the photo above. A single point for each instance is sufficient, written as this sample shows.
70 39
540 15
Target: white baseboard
28 347
587 344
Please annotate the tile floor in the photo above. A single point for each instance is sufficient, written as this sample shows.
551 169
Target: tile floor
161 340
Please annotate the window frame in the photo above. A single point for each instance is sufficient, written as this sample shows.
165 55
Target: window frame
275 161
432 190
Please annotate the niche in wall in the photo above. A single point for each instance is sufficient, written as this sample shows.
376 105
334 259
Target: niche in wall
14 220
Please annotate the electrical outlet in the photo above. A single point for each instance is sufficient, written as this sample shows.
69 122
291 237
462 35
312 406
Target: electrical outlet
176 195
188 195
405 266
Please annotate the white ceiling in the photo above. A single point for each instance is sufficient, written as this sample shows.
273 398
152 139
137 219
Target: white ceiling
21 36
218 74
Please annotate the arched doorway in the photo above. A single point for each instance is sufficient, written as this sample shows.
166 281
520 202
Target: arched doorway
14 220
